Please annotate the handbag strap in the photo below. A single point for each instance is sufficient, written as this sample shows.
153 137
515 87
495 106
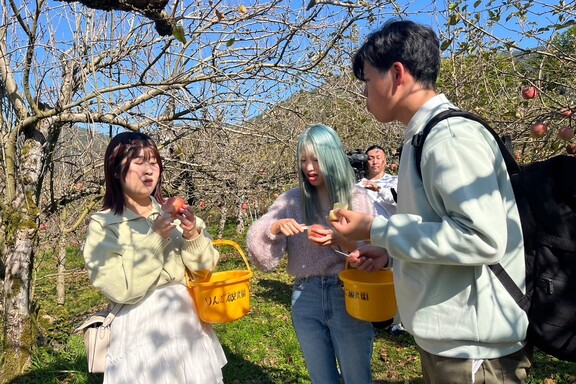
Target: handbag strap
115 309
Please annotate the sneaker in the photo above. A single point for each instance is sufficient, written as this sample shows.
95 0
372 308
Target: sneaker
397 329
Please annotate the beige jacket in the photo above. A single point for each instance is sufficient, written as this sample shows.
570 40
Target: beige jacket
126 259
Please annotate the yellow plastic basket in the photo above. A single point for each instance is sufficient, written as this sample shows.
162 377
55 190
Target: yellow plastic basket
369 296
225 296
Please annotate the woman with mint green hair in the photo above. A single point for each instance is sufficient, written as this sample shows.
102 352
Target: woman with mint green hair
333 162
335 345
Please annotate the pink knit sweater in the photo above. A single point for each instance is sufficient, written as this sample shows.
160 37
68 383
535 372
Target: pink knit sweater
304 257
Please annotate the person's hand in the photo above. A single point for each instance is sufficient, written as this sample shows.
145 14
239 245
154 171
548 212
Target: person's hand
322 236
326 237
368 184
163 225
352 225
187 218
288 227
369 258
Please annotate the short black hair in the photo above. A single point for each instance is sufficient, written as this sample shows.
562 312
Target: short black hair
414 45
375 147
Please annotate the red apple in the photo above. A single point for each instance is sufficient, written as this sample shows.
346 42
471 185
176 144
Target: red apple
539 129
529 92
79 186
517 156
276 195
244 206
202 203
173 205
566 133
313 230
571 148
566 112
393 167
43 226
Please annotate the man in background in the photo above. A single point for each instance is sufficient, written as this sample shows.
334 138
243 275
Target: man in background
381 188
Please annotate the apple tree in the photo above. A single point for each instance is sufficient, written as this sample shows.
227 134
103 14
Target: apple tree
513 63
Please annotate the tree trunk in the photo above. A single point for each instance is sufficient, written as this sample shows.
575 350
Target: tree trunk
20 218
19 332
61 270
223 218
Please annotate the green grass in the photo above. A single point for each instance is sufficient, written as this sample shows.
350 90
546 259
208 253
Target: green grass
261 348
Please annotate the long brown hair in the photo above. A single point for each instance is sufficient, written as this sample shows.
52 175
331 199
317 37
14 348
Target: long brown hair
126 146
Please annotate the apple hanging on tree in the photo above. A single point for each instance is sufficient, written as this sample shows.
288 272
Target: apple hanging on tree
539 129
529 92
571 148
566 133
244 206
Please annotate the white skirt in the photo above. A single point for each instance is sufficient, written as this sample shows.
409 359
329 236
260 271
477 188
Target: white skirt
162 340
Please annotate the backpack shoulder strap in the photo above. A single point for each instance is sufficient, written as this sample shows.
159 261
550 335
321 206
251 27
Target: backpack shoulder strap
419 138
512 167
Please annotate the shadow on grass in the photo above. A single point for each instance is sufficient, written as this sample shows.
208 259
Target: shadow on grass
237 371
240 371
275 290
59 370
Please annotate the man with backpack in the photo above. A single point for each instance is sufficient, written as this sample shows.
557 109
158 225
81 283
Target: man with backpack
454 221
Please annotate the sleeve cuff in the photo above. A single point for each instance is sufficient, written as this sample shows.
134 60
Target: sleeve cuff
378 231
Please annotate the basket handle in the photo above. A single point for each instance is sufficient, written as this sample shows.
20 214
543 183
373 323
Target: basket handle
231 243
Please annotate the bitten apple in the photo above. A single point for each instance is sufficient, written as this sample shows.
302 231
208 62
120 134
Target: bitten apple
173 205
331 215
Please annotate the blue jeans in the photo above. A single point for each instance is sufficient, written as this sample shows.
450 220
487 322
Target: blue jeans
327 332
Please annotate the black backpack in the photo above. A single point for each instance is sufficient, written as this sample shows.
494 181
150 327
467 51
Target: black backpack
545 193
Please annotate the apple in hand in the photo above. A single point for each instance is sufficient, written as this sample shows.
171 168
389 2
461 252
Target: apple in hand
173 205
331 215
313 230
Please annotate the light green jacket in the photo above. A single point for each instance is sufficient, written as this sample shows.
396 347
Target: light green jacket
126 259
450 225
